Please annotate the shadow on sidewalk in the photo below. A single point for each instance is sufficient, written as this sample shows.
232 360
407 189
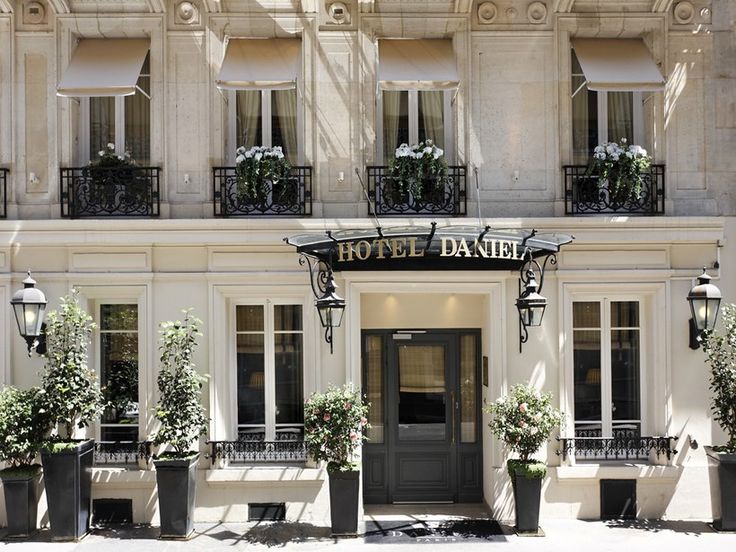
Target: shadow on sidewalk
687 527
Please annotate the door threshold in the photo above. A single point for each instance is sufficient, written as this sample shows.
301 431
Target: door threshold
400 502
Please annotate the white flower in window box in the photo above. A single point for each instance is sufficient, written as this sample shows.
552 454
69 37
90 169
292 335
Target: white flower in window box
621 169
419 170
260 171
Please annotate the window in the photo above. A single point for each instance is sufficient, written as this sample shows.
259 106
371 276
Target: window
121 120
267 118
119 371
607 373
270 388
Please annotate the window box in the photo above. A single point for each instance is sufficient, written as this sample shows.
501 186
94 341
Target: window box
128 454
251 451
623 446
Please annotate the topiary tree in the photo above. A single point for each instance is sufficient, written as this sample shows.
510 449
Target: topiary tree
721 356
72 396
182 416
23 426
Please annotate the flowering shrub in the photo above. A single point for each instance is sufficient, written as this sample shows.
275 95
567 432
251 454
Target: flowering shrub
413 166
108 158
333 426
621 167
523 420
255 166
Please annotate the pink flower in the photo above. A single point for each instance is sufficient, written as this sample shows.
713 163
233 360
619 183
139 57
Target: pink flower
522 424
326 417
363 420
523 407
348 406
353 436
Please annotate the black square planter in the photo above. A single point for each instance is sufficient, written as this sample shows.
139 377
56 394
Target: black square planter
344 486
176 481
727 485
21 502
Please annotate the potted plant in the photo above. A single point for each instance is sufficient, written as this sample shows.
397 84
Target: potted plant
620 169
523 420
333 426
71 399
419 171
721 356
23 427
183 421
262 174
115 179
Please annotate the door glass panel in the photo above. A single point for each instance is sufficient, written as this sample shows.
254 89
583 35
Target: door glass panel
625 374
430 119
468 385
374 386
422 389
251 381
101 125
586 320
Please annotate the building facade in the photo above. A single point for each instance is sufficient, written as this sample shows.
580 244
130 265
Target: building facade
517 94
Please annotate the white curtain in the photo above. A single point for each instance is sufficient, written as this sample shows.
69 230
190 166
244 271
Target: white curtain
248 115
283 107
101 125
431 120
621 116
391 116
138 119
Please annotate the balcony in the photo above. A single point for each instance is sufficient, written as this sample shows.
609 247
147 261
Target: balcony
438 198
122 453
623 446
252 448
585 196
3 193
291 198
125 191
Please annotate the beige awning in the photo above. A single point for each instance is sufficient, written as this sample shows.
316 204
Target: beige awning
104 67
417 64
260 63
617 64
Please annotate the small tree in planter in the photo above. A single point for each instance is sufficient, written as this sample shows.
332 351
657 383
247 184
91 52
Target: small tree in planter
523 420
23 427
333 424
721 352
183 421
72 399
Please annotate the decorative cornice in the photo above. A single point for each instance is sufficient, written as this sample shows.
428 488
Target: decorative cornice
213 6
60 6
660 6
6 6
563 6
463 6
367 6
156 6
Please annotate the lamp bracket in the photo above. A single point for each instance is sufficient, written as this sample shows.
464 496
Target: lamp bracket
319 273
531 268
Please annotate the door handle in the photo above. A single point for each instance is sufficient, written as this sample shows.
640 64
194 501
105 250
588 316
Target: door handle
452 415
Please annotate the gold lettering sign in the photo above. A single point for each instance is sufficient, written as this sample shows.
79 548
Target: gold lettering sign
400 248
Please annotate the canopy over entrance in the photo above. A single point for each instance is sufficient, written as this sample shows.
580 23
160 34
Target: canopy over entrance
427 247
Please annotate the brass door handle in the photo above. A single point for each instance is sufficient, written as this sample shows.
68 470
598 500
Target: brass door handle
452 414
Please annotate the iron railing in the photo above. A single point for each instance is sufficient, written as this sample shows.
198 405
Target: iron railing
623 446
125 191
3 193
292 197
121 453
440 196
586 195
287 448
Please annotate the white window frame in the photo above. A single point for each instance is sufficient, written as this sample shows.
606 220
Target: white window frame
413 107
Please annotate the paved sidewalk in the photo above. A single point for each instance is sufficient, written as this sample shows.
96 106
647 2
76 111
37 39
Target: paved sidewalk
559 535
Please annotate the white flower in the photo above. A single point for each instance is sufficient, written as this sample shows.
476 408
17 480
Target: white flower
101 153
258 156
427 150
121 157
240 150
110 146
239 159
248 154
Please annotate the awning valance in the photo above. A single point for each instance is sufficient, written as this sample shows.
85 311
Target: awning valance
260 63
617 64
104 67
427 247
417 64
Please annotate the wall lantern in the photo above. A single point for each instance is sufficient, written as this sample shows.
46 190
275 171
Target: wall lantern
330 306
705 301
531 303
29 306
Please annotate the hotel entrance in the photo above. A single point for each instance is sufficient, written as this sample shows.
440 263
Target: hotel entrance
423 386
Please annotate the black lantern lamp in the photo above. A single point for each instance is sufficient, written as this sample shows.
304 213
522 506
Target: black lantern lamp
29 305
330 307
705 302
530 304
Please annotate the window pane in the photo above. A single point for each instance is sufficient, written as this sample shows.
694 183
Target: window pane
587 374
289 386
625 374
283 122
431 117
422 390
287 318
468 387
101 125
374 386
119 377
395 121
584 115
119 317
119 433
621 116
249 318
250 356
138 119
249 124
625 314
586 314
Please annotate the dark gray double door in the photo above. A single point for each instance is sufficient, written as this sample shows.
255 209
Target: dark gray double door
424 390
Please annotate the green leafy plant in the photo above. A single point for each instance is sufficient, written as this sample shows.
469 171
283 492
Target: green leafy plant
108 158
23 427
333 424
259 168
524 420
70 391
418 167
621 168
179 410
721 356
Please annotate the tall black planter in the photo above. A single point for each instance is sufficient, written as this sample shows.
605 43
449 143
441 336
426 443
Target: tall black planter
527 495
727 486
176 480
21 502
67 477
344 502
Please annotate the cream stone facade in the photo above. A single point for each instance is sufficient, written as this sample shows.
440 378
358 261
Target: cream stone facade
509 122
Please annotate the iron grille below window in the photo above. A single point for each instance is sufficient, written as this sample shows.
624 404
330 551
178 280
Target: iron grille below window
255 451
584 194
620 447
125 453
3 193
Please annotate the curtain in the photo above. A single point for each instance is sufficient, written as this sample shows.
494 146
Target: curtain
581 123
248 126
138 119
283 126
621 116
431 120
422 369
101 125
391 122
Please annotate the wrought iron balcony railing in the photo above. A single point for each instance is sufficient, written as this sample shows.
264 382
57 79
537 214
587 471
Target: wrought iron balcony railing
585 195
290 198
621 447
125 191
252 449
3 193
121 453
445 196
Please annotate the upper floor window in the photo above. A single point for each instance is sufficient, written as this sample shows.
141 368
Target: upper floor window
267 118
612 81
